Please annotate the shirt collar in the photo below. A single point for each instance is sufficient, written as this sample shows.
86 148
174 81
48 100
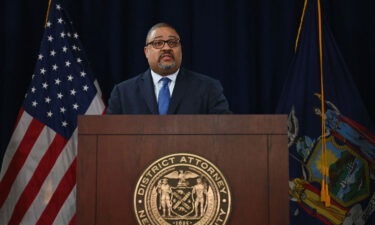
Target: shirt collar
156 77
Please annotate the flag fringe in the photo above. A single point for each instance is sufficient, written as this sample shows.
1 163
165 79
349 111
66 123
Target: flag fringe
325 176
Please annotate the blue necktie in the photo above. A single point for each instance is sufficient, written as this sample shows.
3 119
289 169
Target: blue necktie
164 96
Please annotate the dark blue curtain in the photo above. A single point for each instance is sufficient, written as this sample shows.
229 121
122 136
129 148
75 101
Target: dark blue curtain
246 44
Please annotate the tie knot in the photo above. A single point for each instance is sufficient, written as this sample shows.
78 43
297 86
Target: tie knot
165 80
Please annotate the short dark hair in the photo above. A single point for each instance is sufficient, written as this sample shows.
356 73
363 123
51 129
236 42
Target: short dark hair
158 25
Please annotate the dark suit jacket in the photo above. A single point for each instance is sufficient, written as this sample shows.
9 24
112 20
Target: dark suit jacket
193 94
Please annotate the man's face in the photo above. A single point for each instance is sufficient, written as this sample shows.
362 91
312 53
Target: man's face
166 60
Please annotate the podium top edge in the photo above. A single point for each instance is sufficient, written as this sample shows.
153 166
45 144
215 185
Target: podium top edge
182 124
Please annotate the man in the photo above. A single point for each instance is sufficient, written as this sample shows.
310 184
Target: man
165 191
166 88
200 190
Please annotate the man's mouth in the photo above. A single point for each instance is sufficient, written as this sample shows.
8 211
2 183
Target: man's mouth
166 57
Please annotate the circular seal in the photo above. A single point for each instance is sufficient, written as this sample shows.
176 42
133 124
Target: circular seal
182 189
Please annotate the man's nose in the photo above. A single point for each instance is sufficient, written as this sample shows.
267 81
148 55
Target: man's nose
166 46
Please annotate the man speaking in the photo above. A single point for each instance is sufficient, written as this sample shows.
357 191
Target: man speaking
166 88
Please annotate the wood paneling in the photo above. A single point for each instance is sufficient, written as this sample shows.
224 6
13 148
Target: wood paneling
254 164
86 180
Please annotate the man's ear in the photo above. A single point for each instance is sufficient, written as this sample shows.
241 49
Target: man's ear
146 51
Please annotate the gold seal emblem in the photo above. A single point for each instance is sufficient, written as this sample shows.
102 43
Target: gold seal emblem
182 189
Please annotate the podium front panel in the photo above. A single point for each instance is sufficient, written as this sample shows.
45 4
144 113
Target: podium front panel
253 163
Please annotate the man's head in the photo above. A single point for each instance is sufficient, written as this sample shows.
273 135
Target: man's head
163 49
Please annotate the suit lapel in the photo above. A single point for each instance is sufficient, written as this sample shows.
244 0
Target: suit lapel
178 91
147 89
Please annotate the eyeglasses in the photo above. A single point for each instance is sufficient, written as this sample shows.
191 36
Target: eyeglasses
159 44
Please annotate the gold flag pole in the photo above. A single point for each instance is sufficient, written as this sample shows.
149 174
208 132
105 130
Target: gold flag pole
300 26
49 6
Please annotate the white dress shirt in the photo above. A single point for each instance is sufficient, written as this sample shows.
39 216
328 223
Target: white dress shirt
158 84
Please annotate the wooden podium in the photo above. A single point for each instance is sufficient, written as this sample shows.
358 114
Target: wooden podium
250 150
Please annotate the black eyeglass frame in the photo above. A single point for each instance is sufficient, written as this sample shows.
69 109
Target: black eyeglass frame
165 41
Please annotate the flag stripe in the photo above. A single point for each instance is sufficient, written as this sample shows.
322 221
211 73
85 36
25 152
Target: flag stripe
15 141
32 189
19 158
51 182
96 107
73 220
99 102
59 196
67 213
19 116
44 140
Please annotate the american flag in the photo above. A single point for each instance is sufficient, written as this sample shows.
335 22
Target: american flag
38 175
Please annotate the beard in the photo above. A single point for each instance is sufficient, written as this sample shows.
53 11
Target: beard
167 67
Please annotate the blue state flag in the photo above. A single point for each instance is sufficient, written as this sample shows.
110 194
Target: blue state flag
348 132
